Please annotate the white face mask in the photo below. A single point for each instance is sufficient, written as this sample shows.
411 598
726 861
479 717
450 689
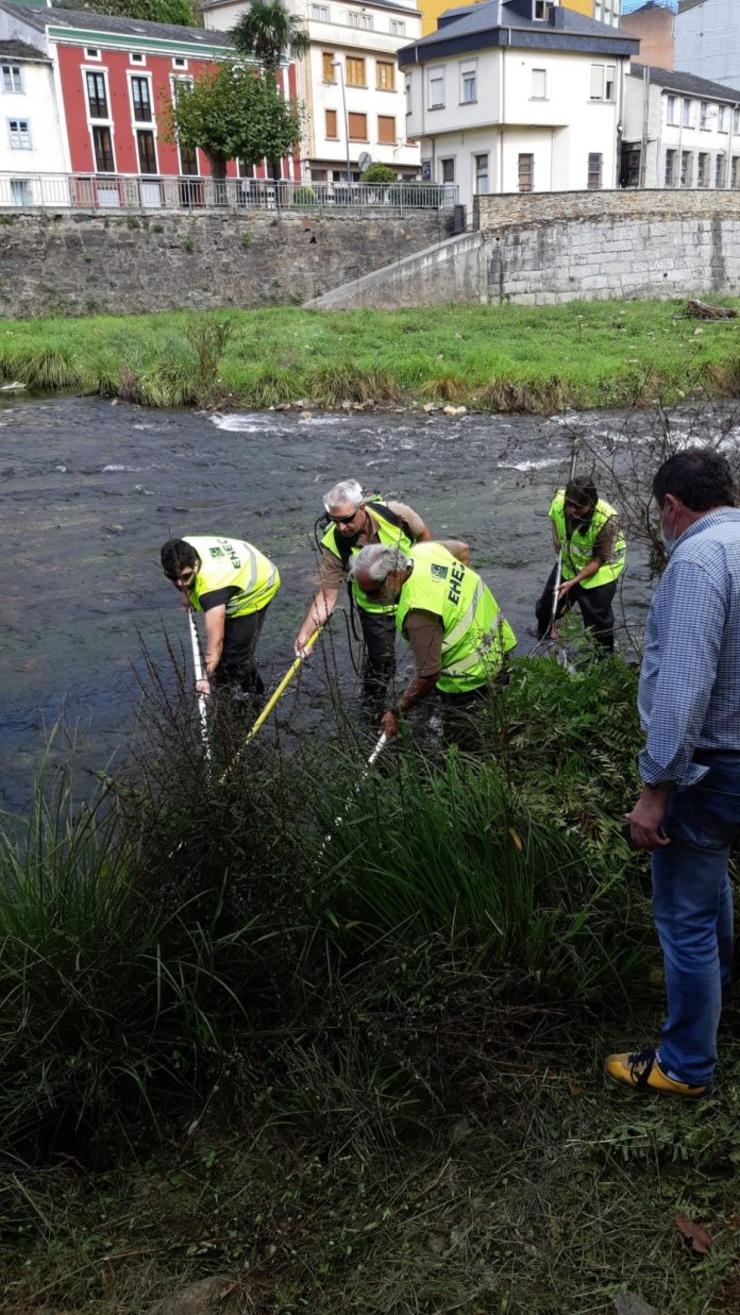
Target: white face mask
669 540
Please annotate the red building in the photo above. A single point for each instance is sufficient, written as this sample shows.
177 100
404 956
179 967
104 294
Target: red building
113 77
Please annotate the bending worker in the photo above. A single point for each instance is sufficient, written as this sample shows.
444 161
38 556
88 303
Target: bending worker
586 532
233 583
355 522
445 611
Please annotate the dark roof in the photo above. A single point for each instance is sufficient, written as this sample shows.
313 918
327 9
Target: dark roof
482 25
22 53
687 83
88 21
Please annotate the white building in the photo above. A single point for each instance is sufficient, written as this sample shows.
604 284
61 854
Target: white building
522 96
32 139
349 83
680 131
706 36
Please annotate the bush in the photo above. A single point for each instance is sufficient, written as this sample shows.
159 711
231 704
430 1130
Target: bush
379 173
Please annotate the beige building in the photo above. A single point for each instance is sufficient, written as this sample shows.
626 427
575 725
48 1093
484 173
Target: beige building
652 24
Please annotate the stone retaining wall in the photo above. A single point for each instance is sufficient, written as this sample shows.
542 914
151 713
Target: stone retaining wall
492 212
80 263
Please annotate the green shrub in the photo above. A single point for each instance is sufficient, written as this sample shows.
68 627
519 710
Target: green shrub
379 173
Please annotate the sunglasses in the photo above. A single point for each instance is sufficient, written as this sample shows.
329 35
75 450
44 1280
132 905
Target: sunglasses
343 520
186 576
575 506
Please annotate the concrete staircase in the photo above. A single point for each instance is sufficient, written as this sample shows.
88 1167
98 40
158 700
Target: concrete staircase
449 271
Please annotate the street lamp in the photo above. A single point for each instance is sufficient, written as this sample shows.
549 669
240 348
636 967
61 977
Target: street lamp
336 63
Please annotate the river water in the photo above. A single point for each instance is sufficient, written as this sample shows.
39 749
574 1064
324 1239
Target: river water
92 489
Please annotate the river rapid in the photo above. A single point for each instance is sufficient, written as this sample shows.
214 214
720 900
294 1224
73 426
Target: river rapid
91 489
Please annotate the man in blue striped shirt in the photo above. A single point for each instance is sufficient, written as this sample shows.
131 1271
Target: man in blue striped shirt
688 814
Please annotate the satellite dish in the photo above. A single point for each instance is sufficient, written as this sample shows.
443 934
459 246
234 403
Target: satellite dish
365 161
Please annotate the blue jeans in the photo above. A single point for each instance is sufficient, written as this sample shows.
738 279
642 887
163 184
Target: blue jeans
692 905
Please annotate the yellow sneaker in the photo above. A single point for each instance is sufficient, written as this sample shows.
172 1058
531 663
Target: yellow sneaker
642 1071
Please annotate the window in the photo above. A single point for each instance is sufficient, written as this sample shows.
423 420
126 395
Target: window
448 170
703 170
92 54
595 172
722 118
20 191
331 124
480 167
720 171
137 59
736 120
386 130
19 133
355 72
328 73
12 79
320 13
97 96
704 114
687 122
179 62
147 152
686 169
670 168
103 149
670 110
526 173
541 9
141 98
436 85
735 175
603 82
468 85
385 75
398 28
539 84
360 20
188 161
358 127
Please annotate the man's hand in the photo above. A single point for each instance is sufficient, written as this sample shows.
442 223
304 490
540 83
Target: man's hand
566 587
203 686
302 638
389 724
647 816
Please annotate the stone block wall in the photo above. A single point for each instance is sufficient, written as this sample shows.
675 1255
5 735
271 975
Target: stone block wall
81 263
492 212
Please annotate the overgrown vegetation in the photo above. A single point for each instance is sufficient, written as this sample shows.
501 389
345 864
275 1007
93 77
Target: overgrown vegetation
353 1066
507 358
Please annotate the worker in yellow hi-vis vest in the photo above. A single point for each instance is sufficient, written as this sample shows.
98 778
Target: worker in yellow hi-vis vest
233 584
450 618
591 548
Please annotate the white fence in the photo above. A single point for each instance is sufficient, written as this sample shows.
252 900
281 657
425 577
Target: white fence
125 192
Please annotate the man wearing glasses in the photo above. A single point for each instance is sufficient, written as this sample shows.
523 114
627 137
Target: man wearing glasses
586 532
233 583
355 522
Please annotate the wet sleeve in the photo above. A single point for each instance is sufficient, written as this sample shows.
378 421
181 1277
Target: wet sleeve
411 517
218 597
424 633
331 571
605 541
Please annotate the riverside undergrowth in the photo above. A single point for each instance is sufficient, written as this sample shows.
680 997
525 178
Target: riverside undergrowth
498 358
354 1066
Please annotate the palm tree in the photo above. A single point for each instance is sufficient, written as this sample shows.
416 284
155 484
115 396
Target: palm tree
268 33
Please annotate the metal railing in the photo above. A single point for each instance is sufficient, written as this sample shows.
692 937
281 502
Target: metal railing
129 192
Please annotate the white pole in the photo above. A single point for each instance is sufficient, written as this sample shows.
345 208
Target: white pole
200 675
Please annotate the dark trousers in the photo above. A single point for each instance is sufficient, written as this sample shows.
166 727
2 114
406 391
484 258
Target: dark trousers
595 605
238 668
379 634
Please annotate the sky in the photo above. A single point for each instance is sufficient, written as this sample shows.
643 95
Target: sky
629 5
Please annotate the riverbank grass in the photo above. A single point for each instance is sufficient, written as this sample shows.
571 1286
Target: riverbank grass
503 358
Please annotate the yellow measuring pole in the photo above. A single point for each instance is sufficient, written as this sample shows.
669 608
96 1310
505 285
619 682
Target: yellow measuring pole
275 697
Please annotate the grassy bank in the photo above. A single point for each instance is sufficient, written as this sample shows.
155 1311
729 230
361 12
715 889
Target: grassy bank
360 1074
507 358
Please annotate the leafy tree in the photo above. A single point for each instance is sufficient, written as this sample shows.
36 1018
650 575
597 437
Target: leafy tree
379 173
179 12
232 113
268 33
